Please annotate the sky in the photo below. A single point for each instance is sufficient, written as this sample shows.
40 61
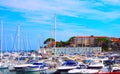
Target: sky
73 18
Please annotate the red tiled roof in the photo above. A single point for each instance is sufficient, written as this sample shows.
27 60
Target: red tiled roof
92 36
115 39
112 38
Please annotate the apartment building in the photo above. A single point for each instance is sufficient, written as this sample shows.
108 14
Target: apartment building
90 40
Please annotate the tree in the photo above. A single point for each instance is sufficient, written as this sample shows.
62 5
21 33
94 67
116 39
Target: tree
48 40
71 41
103 42
33 51
115 46
58 44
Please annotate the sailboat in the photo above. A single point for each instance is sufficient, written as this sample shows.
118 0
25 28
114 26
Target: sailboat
12 57
3 63
19 66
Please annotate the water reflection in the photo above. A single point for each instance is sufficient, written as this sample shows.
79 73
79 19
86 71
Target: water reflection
32 73
6 71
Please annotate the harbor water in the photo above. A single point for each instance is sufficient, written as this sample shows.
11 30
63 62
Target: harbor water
6 71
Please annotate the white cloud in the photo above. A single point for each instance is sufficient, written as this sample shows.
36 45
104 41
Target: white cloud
39 19
112 2
22 4
73 8
41 11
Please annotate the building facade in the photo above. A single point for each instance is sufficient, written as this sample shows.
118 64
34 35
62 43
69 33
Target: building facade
91 40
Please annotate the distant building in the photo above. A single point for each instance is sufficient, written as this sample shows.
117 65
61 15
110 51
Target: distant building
90 40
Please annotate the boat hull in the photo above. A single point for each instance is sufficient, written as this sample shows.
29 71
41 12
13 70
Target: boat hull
3 66
28 69
83 71
18 68
95 67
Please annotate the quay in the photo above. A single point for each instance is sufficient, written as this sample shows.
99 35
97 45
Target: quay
73 50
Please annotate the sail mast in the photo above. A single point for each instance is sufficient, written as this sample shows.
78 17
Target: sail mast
55 33
1 37
18 41
55 29
38 42
27 43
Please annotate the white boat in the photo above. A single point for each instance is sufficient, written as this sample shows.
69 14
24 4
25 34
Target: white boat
86 71
65 68
11 67
36 67
113 67
116 66
31 68
116 69
20 67
3 66
68 65
95 66
96 63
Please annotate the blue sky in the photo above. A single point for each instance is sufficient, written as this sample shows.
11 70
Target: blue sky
73 17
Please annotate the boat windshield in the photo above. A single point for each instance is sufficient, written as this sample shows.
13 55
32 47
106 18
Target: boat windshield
70 63
94 62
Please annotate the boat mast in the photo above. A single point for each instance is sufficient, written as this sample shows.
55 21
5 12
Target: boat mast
1 38
55 30
85 39
18 41
85 34
38 42
27 43
51 36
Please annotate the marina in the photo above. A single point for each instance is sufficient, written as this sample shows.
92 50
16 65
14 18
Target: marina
59 37
74 63
59 60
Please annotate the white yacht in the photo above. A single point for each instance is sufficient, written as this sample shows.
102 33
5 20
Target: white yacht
31 68
94 66
116 66
20 67
36 67
3 65
67 65
86 71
